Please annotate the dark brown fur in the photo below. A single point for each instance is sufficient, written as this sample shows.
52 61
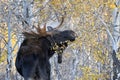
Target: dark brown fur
32 61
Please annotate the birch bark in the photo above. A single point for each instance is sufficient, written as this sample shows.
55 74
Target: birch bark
116 36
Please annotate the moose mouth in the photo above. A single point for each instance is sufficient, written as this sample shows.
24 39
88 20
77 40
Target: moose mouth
74 36
73 39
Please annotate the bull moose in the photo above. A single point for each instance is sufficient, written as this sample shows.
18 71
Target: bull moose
32 61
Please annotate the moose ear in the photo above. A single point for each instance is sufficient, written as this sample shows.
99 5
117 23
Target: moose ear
50 28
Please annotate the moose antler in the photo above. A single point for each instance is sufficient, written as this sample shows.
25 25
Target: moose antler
56 28
60 23
41 31
53 30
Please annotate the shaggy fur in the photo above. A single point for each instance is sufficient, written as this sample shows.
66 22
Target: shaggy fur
32 61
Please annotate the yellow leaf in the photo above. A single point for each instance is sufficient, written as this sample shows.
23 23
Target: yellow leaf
112 6
92 23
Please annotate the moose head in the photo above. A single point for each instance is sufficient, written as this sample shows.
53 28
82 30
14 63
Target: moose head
32 61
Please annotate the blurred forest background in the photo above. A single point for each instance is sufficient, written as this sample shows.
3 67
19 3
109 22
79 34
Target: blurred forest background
93 56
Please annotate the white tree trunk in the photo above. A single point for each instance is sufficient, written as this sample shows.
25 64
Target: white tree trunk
75 64
9 48
116 26
116 36
27 12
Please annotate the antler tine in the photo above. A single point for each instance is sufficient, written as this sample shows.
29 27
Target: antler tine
60 23
44 29
38 29
41 31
